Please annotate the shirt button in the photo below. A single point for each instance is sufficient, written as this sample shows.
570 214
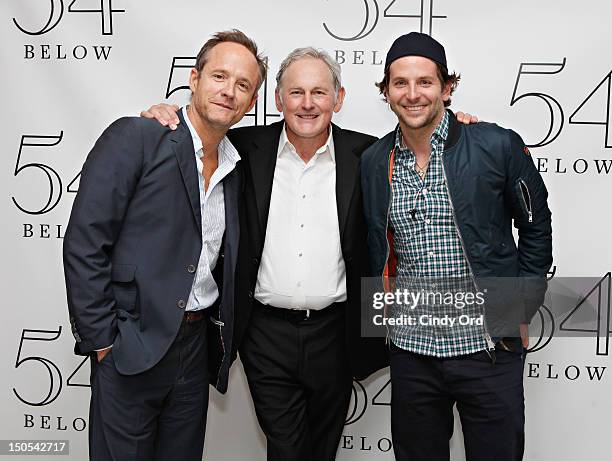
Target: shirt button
304 196
431 253
181 304
299 284
427 221
301 226
300 255
191 268
425 190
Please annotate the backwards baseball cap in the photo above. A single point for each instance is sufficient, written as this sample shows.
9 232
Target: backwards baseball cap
416 44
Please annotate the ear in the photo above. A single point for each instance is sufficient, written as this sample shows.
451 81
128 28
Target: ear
446 91
253 101
194 76
339 99
385 94
277 100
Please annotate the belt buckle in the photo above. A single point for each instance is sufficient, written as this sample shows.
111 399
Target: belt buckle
304 313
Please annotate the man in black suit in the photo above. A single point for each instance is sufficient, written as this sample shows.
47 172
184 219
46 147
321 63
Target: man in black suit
302 345
151 253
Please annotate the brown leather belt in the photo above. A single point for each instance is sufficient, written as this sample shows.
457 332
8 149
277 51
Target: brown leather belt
194 316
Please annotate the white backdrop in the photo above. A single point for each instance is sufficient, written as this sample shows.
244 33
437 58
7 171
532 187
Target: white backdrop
542 68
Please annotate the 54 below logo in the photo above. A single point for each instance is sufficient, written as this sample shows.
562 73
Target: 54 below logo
37 21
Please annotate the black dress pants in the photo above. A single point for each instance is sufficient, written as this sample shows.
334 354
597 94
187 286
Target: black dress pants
157 415
489 398
300 380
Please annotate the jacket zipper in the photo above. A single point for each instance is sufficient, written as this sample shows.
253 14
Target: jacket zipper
389 181
526 199
487 336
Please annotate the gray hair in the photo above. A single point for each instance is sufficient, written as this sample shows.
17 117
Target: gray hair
310 52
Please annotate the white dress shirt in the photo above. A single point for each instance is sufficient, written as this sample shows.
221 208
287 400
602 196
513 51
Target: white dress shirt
204 291
301 264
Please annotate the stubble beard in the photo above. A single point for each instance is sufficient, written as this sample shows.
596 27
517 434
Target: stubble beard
430 120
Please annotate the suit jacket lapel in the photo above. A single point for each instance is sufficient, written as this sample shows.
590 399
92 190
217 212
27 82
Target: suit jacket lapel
347 169
183 149
262 161
231 190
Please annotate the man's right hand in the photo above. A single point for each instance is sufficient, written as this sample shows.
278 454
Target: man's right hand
164 114
102 353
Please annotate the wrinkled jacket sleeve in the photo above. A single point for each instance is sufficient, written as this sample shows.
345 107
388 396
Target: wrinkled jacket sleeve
108 180
527 195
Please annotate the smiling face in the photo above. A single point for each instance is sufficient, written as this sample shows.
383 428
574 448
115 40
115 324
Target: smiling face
307 98
416 93
226 87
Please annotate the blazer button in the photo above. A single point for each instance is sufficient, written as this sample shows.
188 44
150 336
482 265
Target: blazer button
191 268
255 261
250 294
181 304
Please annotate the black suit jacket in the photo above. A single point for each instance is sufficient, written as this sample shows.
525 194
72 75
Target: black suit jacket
258 147
133 243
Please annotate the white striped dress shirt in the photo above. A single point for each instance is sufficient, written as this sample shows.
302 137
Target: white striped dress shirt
204 291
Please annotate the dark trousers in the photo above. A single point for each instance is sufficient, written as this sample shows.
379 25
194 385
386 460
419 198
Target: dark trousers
489 398
157 415
300 381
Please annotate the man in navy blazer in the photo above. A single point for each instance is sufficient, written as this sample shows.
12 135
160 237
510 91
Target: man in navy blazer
151 255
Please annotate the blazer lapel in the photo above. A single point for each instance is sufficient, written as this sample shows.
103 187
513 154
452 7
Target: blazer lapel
347 174
183 149
231 190
262 161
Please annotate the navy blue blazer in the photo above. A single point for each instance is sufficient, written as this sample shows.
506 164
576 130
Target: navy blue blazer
133 242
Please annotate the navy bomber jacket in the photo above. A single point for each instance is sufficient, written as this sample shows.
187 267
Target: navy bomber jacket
492 183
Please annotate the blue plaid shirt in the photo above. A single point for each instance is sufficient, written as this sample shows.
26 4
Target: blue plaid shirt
429 253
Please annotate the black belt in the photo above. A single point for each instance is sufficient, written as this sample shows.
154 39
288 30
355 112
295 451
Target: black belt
298 315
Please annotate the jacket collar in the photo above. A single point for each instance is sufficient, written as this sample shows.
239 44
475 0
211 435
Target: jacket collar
454 131
347 174
263 162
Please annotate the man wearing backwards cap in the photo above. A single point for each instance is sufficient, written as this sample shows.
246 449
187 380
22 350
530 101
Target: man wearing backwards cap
439 201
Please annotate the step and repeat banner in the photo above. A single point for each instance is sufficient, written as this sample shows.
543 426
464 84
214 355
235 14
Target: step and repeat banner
71 67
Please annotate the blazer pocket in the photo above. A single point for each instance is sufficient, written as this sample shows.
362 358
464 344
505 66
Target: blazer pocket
124 288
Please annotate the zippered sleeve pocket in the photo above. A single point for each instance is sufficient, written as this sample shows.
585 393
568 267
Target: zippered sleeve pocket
525 199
